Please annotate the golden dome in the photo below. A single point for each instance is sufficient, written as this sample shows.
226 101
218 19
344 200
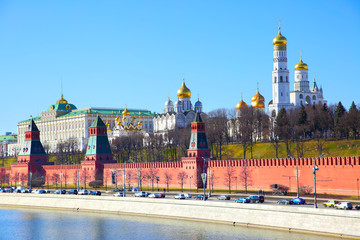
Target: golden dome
183 91
62 100
241 105
126 112
258 104
301 65
279 39
117 118
257 96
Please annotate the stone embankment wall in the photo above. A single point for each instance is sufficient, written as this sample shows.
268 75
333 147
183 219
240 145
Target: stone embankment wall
289 218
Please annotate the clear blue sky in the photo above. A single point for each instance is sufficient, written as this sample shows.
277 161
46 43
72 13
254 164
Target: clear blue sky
112 53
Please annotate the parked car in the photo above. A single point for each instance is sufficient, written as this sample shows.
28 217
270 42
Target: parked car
357 207
73 192
95 193
47 191
83 192
41 191
298 201
160 195
141 194
256 199
59 191
152 195
187 195
284 202
344 205
200 197
180 196
118 194
224 197
330 203
242 200
25 191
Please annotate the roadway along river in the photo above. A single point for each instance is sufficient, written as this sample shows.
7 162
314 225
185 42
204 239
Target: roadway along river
46 224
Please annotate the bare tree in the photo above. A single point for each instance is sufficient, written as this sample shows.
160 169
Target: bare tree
245 175
84 177
168 178
228 176
55 179
151 175
181 179
23 178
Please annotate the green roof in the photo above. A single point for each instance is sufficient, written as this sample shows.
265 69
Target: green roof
8 138
100 111
98 123
62 107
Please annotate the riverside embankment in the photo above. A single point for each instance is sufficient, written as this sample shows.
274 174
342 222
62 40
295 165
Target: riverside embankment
289 218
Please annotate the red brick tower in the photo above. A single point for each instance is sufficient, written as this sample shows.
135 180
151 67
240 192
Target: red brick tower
98 150
32 154
198 151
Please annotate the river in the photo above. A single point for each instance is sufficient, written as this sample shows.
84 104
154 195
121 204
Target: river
47 224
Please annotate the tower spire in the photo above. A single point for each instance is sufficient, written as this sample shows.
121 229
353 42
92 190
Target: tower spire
279 25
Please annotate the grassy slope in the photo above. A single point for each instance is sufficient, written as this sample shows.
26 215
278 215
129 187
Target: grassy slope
339 148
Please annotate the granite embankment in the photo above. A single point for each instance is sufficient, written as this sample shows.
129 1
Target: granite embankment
289 218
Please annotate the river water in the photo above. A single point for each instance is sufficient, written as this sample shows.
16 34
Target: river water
47 224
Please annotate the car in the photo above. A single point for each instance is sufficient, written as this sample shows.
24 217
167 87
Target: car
157 195
330 203
59 191
47 191
73 192
284 202
118 194
41 191
256 199
343 205
180 196
95 193
187 195
25 191
298 201
152 195
141 194
242 200
224 197
357 207
200 197
83 192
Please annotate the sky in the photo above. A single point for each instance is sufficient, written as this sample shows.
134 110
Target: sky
134 53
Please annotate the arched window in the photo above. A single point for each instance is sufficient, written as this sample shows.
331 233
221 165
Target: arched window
301 96
308 100
287 79
281 79
314 97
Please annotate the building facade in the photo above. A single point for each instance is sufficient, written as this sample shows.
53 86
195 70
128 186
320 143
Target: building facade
179 115
5 140
63 122
282 97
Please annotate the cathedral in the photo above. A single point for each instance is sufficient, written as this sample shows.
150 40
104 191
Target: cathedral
178 116
302 94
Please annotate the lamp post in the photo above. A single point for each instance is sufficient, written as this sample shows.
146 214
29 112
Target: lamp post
316 168
357 180
236 184
124 179
190 183
61 179
203 176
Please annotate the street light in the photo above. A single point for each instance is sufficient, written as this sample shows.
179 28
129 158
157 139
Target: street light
203 177
316 168
357 180
190 183
236 184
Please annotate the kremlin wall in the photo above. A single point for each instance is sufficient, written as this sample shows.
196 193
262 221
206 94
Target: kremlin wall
335 175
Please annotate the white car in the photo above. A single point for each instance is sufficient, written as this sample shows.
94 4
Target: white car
180 196
118 194
343 205
187 195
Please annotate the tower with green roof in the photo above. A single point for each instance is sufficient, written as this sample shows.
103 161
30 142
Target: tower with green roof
98 151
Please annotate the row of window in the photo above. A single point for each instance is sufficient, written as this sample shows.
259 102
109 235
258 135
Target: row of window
281 79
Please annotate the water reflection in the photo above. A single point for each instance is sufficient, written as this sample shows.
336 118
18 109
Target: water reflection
44 224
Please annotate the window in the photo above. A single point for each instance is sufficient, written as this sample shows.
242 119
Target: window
275 79
298 77
287 79
281 79
314 97
301 96
281 93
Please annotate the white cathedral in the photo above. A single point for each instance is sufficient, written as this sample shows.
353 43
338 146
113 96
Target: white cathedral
179 116
302 94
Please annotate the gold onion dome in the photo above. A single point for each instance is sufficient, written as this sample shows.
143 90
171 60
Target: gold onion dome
279 39
258 104
241 105
183 91
301 65
62 100
257 96
126 112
